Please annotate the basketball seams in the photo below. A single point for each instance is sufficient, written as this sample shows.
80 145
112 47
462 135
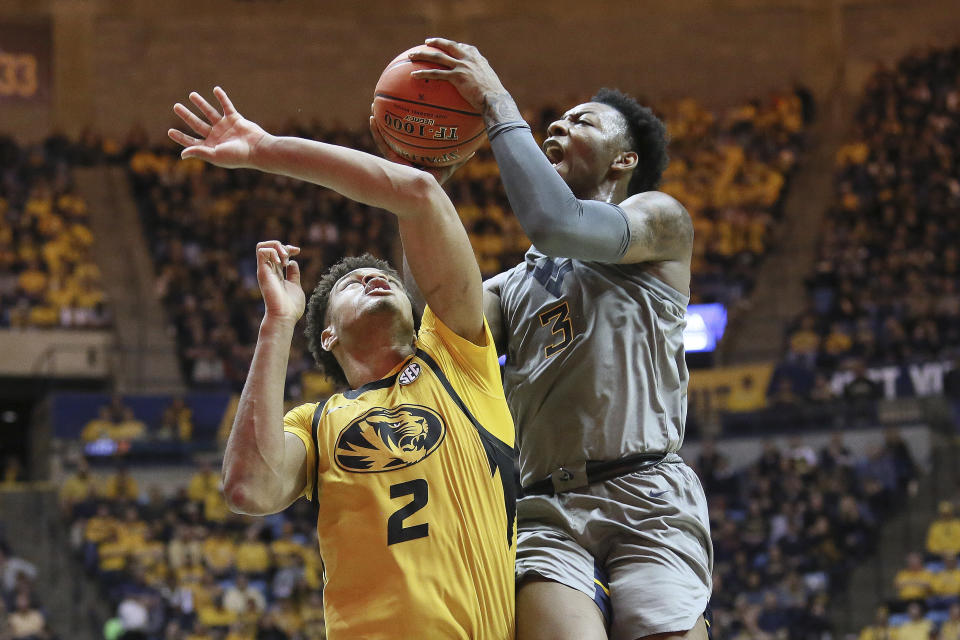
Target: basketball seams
427 122
387 96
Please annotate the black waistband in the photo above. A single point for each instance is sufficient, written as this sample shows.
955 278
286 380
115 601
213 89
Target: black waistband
600 471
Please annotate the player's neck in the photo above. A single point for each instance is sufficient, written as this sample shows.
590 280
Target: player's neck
611 191
372 360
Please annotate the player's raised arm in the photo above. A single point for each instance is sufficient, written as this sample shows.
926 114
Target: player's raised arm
437 248
264 468
555 192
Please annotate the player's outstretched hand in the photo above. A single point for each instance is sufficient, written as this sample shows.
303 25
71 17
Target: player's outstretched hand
442 174
467 70
226 140
279 279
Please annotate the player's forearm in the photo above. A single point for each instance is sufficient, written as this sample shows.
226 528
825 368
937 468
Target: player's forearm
555 220
253 460
360 176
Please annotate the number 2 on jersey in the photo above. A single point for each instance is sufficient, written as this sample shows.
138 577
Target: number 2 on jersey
396 532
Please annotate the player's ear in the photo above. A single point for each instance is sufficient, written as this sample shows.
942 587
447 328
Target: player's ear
625 160
328 338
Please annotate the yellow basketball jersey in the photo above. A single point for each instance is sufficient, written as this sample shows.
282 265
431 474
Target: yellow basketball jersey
416 496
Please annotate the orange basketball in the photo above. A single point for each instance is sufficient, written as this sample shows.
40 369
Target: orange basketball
427 122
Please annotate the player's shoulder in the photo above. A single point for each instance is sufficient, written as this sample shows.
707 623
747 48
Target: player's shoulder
656 202
303 413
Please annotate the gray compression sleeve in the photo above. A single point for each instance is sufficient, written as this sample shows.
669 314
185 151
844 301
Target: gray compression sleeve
556 221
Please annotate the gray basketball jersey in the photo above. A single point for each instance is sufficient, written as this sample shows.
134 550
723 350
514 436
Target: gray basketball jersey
595 362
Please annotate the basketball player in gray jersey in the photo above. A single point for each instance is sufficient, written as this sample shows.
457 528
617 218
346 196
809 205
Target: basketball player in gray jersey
613 526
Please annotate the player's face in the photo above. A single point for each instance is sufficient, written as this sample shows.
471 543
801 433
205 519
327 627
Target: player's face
583 144
368 295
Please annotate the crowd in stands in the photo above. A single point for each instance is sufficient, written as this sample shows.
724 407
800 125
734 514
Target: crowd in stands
927 602
886 285
48 277
177 565
788 529
116 421
202 223
731 171
22 615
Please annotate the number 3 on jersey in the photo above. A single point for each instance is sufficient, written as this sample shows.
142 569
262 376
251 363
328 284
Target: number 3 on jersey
558 317
396 532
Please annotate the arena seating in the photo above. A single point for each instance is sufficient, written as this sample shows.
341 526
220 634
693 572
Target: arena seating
22 614
48 277
927 602
886 285
181 565
788 529
202 223
731 172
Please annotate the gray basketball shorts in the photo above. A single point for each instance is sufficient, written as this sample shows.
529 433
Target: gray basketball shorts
647 532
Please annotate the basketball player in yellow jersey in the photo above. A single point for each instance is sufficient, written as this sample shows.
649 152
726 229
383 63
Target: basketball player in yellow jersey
412 469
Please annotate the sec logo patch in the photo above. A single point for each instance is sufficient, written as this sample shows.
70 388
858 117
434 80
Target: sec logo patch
409 374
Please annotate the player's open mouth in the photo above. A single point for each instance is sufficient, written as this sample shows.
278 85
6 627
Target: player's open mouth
553 151
376 286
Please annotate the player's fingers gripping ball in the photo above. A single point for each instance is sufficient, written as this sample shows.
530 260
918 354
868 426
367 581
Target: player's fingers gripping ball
427 122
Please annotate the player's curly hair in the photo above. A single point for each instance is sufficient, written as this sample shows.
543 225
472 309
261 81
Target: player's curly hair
317 310
646 135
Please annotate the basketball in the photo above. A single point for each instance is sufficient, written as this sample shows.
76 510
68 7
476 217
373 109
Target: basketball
427 122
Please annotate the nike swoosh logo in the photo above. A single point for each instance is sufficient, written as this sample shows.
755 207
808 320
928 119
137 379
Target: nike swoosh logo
339 406
657 494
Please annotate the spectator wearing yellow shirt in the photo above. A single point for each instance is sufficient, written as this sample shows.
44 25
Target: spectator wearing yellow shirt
184 548
204 481
946 583
132 529
805 341
311 612
112 555
213 613
176 423
838 342
913 582
215 507
950 630
313 567
121 486
150 554
204 590
99 427
242 630
943 536
287 552
288 557
219 552
253 556
191 576
880 629
287 617
101 526
77 487
33 281
917 627
129 427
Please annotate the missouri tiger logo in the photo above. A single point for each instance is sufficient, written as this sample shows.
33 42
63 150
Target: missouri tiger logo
387 439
